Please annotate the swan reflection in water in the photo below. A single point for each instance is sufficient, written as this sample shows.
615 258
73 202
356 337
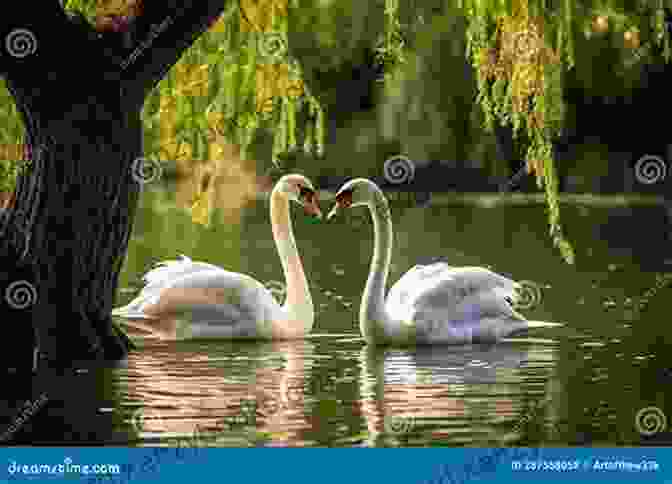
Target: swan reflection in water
192 394
452 395
223 393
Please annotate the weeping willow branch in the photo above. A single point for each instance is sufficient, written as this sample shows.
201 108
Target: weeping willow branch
519 80
391 46
240 74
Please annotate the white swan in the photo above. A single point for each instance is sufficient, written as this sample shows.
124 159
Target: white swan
430 304
225 304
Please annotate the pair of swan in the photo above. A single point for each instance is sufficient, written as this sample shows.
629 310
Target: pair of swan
430 304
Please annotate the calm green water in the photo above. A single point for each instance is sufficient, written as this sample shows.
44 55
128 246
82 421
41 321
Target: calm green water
581 384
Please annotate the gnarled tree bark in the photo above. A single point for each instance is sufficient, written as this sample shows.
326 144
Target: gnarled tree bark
63 241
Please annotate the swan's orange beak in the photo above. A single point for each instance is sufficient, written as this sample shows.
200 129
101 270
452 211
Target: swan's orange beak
311 205
343 201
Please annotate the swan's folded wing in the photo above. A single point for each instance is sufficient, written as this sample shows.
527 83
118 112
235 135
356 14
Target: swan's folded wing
168 271
439 285
483 315
419 273
476 279
455 292
413 283
453 285
210 297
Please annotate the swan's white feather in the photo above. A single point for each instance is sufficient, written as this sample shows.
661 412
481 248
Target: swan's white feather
481 316
164 274
455 305
243 306
169 270
440 287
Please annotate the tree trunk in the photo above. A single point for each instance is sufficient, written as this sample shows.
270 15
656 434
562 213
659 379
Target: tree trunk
65 237
72 219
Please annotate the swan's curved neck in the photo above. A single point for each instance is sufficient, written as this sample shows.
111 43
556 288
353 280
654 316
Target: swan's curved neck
298 305
372 316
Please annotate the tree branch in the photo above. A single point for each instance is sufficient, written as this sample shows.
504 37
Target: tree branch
163 31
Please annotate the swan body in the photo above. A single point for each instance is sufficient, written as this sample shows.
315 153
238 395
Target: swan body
224 304
430 304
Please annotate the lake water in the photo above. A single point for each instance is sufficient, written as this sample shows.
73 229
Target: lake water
585 383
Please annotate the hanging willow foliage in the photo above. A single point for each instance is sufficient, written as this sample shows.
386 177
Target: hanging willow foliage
240 74
243 62
519 75
11 147
520 50
258 84
390 48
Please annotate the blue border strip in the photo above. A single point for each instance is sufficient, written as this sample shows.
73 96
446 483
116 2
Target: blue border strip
308 466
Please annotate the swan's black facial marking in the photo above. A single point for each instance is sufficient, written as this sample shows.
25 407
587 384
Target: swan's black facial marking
344 199
310 201
509 300
306 195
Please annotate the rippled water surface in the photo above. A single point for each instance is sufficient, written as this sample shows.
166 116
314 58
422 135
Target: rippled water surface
583 383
